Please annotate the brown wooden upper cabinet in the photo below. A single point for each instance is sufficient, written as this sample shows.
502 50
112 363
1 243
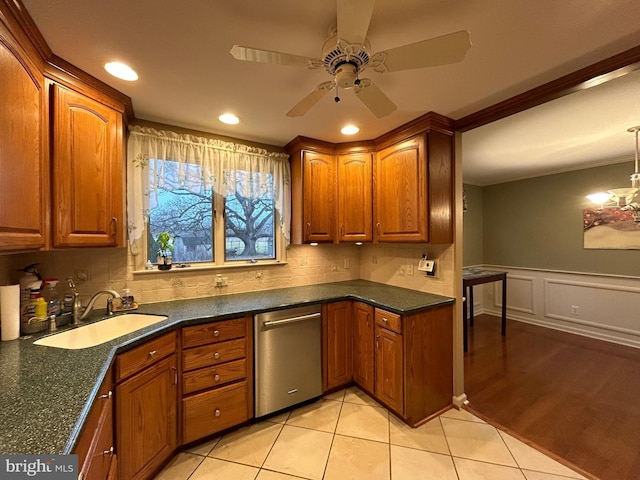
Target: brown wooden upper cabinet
355 205
318 197
341 194
24 183
88 171
400 183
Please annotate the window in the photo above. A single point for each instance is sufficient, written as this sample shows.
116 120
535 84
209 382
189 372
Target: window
249 219
224 203
188 214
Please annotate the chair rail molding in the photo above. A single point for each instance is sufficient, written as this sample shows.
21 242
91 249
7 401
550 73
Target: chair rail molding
593 305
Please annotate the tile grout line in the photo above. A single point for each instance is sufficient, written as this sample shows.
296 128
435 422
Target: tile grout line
333 437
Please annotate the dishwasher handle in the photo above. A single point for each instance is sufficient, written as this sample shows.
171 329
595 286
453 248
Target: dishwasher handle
285 321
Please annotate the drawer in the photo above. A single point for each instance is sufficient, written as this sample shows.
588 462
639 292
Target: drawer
141 357
214 376
213 354
213 332
389 320
210 412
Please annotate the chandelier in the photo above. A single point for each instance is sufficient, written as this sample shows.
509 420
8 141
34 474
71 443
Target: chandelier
625 198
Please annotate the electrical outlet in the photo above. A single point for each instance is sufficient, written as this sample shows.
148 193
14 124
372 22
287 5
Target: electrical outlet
401 272
334 268
575 310
177 282
259 275
304 261
410 269
82 275
345 264
374 260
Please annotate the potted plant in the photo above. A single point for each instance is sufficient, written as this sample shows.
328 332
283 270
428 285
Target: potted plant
165 250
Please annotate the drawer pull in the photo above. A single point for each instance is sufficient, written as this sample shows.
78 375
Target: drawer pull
108 452
216 355
107 395
216 378
152 353
384 319
217 412
216 333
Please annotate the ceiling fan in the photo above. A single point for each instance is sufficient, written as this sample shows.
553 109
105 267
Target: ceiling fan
345 55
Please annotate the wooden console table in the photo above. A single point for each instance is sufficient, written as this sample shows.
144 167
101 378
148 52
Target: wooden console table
476 276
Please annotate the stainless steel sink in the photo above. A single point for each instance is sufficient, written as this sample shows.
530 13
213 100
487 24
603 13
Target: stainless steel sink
100 332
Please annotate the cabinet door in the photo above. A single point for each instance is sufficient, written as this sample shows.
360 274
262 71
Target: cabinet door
389 378
338 346
88 171
146 422
355 197
319 190
400 183
363 346
24 175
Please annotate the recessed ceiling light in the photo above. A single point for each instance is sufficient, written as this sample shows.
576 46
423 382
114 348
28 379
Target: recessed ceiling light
350 130
121 71
229 118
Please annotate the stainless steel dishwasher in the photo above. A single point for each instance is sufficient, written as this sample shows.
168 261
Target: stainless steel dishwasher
288 358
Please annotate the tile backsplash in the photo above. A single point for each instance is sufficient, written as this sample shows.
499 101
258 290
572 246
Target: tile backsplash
97 269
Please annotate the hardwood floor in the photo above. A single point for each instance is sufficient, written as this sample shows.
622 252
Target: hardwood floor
576 397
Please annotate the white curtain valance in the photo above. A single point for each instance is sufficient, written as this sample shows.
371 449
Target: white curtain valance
202 164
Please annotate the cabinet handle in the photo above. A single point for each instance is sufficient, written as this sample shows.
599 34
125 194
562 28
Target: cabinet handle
175 375
152 353
378 228
308 229
216 355
217 412
342 230
377 342
108 452
114 222
107 395
216 333
216 378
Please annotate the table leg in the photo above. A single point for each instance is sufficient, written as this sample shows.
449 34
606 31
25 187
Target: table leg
465 341
504 306
471 305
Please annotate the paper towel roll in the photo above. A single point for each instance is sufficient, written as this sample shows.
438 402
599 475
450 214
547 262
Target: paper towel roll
10 311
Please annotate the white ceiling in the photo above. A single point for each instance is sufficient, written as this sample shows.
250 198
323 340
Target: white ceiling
187 76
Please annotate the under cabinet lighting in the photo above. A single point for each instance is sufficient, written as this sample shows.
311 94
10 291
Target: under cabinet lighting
121 71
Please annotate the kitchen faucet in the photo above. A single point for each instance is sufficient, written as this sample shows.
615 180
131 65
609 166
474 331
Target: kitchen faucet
89 307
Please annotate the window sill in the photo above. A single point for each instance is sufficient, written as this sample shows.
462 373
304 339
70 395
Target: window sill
207 268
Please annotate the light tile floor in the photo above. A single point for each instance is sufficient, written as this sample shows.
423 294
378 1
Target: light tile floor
347 435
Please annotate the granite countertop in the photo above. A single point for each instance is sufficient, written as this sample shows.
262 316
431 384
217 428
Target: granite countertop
46 392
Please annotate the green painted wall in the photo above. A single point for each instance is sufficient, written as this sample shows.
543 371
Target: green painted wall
537 223
472 251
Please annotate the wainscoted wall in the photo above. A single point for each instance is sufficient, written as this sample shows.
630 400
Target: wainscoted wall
594 305
306 265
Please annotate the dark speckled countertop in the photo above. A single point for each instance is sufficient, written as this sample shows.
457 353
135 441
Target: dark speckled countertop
46 392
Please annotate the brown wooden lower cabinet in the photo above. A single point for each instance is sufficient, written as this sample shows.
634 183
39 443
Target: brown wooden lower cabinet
337 344
146 411
363 346
95 446
217 378
388 368
404 361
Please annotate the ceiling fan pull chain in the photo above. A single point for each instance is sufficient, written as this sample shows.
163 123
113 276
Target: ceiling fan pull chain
337 98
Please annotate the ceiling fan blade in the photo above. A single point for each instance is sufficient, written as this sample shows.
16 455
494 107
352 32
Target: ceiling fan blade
374 99
250 54
450 48
310 100
354 17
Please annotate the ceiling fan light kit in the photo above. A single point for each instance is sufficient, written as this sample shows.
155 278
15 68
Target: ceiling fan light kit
345 55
